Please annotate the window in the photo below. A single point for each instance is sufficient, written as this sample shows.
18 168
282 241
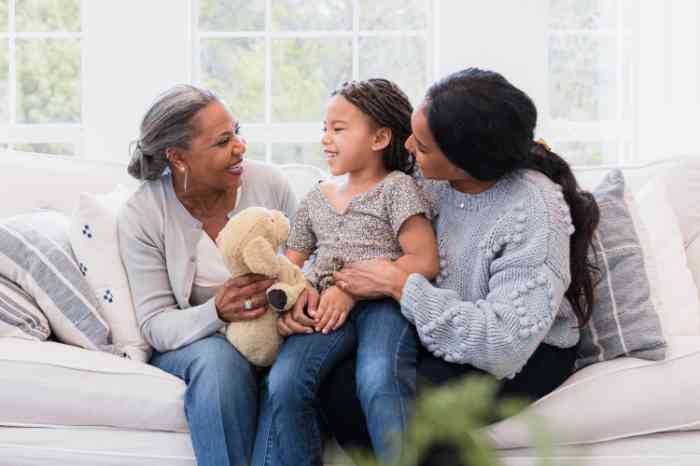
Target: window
40 75
591 71
275 62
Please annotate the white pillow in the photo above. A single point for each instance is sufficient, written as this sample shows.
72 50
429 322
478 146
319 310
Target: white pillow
93 236
674 283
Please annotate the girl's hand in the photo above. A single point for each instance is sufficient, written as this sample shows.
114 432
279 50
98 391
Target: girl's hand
295 320
372 279
333 310
230 299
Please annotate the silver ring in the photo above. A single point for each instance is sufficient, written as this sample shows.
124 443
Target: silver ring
248 304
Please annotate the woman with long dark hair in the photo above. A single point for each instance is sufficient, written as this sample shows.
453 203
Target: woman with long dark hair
514 230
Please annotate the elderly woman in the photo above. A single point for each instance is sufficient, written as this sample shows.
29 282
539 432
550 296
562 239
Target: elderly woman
513 229
190 155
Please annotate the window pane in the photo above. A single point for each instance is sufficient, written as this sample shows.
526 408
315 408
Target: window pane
582 14
307 153
3 15
4 83
311 15
48 81
401 59
255 151
587 153
235 69
48 15
47 148
393 14
304 72
231 15
582 78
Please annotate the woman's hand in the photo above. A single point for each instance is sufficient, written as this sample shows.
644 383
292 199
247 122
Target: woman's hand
230 299
335 306
295 320
372 279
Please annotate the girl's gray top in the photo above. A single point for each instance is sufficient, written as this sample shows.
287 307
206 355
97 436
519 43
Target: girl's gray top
367 229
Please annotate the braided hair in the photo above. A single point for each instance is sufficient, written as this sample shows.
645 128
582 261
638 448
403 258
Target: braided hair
387 106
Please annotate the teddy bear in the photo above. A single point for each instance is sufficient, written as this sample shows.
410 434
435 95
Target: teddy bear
248 243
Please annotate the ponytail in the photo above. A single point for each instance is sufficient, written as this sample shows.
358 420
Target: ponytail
585 216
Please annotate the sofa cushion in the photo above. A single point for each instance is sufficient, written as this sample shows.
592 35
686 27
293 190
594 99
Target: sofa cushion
672 279
20 316
624 397
625 319
35 253
53 384
93 236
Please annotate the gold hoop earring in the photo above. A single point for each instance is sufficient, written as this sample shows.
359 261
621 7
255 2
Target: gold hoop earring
187 173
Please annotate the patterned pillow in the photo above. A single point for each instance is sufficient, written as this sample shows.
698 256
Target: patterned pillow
625 319
93 236
35 254
20 316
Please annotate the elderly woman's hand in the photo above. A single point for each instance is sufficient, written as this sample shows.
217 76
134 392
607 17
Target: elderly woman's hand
296 319
231 298
372 279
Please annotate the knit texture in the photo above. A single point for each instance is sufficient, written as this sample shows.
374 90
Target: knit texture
505 266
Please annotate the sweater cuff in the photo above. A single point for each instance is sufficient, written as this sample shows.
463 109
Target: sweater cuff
210 318
413 294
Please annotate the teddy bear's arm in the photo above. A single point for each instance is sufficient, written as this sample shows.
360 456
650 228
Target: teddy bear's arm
260 258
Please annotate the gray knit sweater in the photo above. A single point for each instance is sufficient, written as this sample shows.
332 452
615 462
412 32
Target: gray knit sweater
504 258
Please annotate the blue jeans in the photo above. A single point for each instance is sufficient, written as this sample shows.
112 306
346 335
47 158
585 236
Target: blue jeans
386 343
221 401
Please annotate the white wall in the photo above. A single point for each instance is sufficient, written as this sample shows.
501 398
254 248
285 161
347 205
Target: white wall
668 95
502 35
133 49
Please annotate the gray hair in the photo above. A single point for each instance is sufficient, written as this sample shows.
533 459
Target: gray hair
167 123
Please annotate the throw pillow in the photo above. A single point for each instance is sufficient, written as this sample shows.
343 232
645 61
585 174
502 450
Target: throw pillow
20 316
35 254
93 235
625 319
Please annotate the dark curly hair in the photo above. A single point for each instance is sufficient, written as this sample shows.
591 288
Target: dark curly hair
388 107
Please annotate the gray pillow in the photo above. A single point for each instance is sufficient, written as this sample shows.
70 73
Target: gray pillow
624 321
20 316
36 255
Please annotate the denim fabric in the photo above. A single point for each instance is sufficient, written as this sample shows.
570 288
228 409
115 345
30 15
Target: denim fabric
221 401
386 344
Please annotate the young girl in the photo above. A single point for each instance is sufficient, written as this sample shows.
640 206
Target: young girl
377 212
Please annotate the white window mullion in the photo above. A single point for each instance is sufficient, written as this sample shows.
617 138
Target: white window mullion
268 76
355 39
193 41
621 88
433 39
12 75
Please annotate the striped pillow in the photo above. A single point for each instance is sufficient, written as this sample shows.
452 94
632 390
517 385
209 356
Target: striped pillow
626 317
20 316
35 254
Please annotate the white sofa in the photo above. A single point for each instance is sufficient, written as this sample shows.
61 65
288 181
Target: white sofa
65 406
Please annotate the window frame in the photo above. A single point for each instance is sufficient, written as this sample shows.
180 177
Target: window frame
268 132
619 130
13 133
